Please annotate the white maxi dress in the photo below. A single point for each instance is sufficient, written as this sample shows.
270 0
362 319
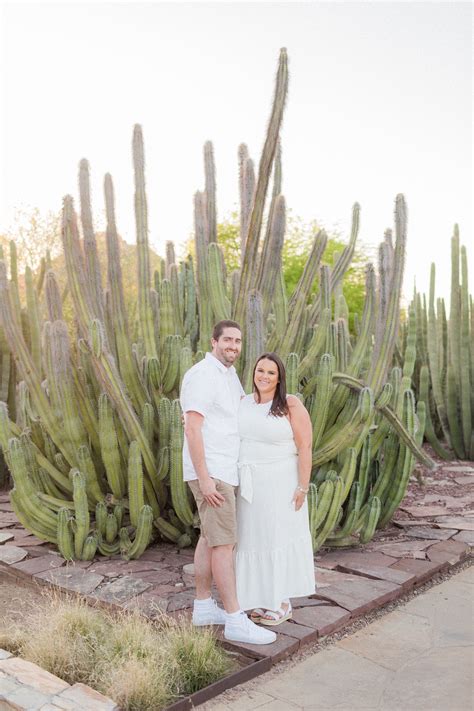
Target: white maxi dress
274 555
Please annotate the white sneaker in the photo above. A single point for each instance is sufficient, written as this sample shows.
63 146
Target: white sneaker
210 615
244 630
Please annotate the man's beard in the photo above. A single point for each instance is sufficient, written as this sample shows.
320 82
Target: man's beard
229 357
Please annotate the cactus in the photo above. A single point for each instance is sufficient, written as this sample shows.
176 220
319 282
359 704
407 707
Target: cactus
142 535
256 215
92 397
136 499
81 512
65 534
292 375
179 494
446 372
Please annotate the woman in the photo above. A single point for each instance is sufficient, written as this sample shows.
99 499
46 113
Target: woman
274 555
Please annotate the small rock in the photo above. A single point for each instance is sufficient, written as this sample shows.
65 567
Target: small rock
122 589
11 554
440 534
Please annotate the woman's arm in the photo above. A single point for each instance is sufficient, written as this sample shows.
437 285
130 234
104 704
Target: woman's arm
303 435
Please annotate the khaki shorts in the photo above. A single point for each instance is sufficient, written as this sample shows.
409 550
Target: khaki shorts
218 524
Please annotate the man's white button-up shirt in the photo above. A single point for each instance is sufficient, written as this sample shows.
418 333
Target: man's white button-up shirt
214 390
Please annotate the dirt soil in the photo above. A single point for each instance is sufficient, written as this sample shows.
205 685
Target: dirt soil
17 602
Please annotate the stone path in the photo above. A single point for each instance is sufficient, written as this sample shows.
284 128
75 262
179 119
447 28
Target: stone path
432 531
418 658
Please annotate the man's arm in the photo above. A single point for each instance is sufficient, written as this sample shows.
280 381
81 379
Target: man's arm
193 422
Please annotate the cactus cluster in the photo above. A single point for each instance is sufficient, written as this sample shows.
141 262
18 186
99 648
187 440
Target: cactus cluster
444 367
92 434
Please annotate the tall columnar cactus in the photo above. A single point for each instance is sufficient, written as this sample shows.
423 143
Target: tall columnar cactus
90 434
446 373
246 191
248 274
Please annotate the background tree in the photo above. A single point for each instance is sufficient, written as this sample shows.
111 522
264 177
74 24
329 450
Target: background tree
34 233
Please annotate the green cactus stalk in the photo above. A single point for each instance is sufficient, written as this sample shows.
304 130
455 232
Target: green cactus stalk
453 411
246 192
117 302
292 373
221 306
204 298
404 465
331 519
92 263
136 499
179 493
90 547
33 316
430 432
111 528
387 329
247 277
167 530
255 345
142 534
371 519
81 512
171 358
320 410
185 363
86 465
110 449
145 320
299 299
465 361
210 192
65 534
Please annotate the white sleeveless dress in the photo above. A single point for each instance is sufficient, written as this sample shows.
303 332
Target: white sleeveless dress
274 555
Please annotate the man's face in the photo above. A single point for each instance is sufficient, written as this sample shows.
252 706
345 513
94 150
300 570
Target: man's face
227 348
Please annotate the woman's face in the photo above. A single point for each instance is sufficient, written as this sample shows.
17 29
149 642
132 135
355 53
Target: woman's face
266 376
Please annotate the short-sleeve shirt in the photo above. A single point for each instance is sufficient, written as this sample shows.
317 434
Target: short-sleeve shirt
214 390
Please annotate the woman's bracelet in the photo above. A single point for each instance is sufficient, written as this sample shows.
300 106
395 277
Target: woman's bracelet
300 488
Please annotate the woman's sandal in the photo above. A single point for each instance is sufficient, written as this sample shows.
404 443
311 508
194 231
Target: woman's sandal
257 614
277 616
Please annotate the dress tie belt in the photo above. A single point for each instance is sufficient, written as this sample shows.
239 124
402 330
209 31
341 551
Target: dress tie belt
246 470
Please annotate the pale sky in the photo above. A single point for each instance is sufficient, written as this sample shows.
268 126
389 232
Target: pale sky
379 103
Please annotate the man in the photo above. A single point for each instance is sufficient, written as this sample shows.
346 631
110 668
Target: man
210 397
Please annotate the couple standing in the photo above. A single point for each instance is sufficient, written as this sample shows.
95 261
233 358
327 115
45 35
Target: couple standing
260 443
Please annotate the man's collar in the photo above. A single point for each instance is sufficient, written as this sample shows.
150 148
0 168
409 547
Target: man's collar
215 361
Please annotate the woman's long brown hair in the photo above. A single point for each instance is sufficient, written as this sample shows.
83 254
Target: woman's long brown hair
279 406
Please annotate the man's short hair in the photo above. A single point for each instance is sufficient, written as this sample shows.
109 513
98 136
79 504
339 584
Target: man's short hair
219 328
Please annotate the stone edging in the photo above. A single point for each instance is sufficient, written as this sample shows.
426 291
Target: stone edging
24 685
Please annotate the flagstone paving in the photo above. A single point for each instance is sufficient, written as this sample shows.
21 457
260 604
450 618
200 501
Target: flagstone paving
419 657
417 545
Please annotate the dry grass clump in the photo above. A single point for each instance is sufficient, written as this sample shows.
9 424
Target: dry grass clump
195 659
141 665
